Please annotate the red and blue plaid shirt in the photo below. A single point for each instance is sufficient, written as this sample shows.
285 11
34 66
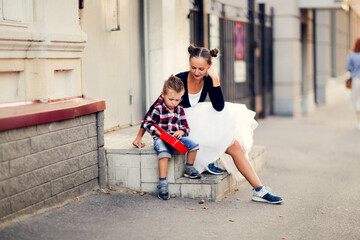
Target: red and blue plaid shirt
169 121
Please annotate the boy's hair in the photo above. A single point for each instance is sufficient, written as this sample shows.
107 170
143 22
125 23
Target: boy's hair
173 83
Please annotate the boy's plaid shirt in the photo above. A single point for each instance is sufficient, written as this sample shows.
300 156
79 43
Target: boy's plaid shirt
169 121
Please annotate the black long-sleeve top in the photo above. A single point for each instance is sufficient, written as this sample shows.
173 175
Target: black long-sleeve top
215 94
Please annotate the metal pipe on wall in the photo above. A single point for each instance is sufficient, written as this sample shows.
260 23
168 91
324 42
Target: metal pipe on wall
146 55
117 18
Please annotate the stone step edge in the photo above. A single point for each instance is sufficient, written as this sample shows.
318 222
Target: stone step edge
150 150
206 178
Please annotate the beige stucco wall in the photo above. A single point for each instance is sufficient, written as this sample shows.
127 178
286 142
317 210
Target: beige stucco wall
112 64
111 60
40 49
287 58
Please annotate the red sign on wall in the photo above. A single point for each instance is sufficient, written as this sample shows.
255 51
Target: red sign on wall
239 41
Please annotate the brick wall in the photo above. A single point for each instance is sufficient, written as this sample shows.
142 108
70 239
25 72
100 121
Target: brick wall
47 164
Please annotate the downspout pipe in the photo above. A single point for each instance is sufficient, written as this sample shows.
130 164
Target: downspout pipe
146 55
315 56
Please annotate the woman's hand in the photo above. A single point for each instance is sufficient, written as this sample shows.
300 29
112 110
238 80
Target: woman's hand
215 78
178 134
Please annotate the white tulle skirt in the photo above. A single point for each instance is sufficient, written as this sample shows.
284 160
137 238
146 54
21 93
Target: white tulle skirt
215 131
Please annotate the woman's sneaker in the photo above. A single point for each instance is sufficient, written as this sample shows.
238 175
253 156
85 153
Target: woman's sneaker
192 173
211 168
163 191
265 194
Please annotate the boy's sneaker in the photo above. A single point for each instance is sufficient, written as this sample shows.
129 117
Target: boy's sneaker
211 168
192 173
163 191
265 194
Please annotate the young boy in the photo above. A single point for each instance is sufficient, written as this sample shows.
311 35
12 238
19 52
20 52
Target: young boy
170 116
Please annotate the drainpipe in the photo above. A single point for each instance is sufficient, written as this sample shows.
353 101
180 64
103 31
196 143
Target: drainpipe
315 57
117 18
146 56
251 6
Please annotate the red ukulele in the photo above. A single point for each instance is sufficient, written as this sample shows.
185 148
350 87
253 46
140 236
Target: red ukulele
172 141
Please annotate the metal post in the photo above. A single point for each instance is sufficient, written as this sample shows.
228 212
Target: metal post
315 57
271 63
117 17
251 4
262 67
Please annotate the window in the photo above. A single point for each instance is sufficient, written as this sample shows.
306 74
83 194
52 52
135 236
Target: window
15 12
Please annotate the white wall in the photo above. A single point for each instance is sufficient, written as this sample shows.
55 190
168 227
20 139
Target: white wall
287 58
40 49
111 60
168 29
308 98
323 54
341 38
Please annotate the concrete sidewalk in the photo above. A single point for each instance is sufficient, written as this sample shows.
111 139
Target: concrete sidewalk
313 162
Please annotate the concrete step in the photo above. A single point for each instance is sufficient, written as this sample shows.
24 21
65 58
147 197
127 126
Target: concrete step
137 169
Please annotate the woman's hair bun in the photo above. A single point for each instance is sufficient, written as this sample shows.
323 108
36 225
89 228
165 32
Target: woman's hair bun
191 48
214 52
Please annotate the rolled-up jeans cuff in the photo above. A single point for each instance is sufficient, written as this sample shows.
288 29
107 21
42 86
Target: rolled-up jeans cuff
194 148
164 155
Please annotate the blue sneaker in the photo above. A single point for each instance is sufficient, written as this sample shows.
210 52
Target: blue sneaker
265 194
211 168
163 191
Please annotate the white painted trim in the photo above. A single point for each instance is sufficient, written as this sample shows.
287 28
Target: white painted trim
325 4
40 49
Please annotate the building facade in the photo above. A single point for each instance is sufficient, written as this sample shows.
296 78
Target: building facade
58 58
288 72
311 42
51 136
122 51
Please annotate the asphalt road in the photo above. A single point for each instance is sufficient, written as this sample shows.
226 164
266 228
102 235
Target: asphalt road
313 163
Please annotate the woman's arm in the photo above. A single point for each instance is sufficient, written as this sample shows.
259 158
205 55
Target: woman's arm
214 77
215 93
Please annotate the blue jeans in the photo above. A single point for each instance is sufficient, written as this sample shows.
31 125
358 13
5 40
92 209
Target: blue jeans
164 150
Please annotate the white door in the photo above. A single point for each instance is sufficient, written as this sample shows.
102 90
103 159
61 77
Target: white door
111 66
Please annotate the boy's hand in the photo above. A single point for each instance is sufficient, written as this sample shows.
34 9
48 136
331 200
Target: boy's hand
157 132
138 143
178 134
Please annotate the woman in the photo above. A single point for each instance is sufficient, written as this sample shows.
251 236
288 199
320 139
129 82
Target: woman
353 66
218 126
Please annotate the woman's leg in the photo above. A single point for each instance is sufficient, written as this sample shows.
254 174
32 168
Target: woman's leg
243 165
